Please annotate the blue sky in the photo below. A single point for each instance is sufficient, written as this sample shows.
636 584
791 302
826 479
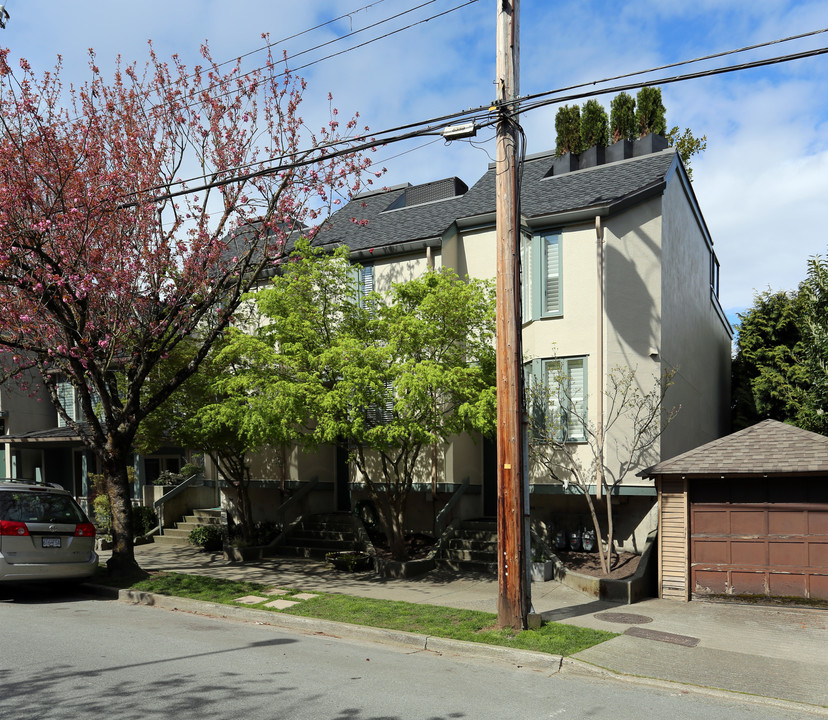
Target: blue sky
762 184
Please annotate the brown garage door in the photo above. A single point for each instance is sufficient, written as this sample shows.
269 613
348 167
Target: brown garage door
745 540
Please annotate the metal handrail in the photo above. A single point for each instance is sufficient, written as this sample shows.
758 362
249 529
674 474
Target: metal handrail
293 499
159 504
447 508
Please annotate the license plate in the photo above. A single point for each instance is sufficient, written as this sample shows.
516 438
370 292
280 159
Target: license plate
51 542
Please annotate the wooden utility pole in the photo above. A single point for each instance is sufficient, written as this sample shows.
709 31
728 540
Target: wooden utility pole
513 595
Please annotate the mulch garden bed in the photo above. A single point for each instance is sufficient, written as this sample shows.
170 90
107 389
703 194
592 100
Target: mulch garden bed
419 545
589 563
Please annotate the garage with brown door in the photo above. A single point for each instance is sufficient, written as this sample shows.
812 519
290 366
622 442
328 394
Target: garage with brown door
745 515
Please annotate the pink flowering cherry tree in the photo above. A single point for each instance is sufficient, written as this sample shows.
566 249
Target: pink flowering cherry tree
135 213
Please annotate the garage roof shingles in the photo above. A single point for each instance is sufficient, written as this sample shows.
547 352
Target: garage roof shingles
767 448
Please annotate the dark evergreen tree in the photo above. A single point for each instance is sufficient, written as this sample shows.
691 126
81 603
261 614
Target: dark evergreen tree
594 125
622 117
568 129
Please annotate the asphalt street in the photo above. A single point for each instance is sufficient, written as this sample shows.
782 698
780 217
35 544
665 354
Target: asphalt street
67 656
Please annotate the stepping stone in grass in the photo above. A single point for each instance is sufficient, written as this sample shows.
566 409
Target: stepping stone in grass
280 604
250 600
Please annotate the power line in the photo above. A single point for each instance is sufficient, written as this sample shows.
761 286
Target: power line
482 113
343 37
285 39
695 60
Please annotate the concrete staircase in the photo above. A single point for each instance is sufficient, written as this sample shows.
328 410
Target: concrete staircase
317 535
472 549
179 535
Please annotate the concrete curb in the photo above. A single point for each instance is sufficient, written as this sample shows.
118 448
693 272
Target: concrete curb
530 659
575 666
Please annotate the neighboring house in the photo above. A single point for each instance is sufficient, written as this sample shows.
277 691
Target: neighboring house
37 444
746 514
661 307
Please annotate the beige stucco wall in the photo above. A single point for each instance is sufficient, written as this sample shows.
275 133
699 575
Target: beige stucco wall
28 409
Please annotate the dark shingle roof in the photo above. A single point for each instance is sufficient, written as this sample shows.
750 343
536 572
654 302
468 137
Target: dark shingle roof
365 222
768 448
56 434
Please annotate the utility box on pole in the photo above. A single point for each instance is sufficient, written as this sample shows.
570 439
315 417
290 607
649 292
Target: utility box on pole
513 586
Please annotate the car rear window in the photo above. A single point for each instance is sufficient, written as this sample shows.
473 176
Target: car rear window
39 507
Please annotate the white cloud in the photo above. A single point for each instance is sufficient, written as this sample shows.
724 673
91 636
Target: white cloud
761 184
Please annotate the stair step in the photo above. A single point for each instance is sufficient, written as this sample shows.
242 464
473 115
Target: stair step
202 520
177 532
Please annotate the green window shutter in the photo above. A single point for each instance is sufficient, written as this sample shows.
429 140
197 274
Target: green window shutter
526 284
551 250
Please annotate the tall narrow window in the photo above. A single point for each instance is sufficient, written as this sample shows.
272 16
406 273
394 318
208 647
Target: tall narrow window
66 397
367 280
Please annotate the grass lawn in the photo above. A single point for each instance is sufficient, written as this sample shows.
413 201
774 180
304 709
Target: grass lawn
472 625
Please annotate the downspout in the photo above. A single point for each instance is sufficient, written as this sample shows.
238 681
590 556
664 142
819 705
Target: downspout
599 470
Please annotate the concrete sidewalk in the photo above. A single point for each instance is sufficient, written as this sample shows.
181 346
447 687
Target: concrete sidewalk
772 652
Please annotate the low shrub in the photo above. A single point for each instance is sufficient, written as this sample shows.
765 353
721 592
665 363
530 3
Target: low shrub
207 537
103 514
144 519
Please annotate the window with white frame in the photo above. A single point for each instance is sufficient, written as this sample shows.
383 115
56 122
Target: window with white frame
541 290
70 402
565 395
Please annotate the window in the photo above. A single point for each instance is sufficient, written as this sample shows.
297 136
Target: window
382 412
71 403
565 379
66 397
541 276
714 273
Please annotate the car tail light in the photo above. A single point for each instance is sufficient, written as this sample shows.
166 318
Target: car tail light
84 530
12 527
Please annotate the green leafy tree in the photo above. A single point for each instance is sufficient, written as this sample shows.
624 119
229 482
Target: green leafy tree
687 145
650 114
594 125
641 417
568 129
814 292
384 377
225 410
622 117
769 376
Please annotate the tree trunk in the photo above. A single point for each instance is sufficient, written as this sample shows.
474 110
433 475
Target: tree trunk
595 524
391 520
116 480
610 528
245 510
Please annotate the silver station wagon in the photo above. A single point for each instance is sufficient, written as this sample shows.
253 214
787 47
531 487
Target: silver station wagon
44 535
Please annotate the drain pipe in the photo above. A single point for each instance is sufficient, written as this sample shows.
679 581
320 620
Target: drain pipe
599 471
